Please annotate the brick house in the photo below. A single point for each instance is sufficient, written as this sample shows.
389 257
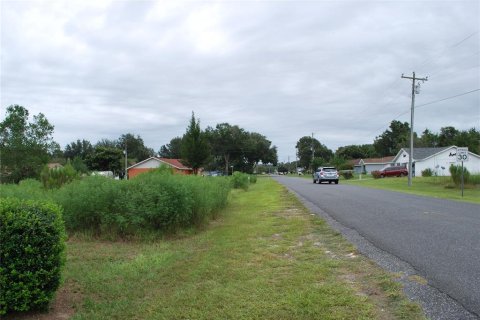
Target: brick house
154 163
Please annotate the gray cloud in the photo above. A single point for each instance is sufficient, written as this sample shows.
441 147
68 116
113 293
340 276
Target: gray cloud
284 69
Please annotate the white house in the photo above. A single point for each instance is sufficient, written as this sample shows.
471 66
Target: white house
437 159
371 164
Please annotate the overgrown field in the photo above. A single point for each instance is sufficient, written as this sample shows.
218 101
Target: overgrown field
152 203
263 257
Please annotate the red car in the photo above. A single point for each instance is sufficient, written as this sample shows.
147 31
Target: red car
394 171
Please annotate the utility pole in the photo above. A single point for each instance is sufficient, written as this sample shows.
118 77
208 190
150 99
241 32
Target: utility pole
414 90
126 163
313 155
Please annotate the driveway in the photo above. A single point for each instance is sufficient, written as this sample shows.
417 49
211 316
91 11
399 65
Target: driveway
439 239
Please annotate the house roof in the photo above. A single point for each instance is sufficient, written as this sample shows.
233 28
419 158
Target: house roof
359 162
176 163
423 153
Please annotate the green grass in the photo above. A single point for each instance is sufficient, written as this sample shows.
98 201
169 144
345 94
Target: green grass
265 257
437 187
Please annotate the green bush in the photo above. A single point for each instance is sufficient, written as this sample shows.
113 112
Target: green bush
474 179
376 174
153 201
347 174
28 189
427 172
456 174
88 204
253 178
57 177
240 180
32 238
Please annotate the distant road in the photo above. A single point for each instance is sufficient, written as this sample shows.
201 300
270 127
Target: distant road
439 238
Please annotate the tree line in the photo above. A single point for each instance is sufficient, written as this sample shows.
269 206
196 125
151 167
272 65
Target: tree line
27 145
223 148
312 153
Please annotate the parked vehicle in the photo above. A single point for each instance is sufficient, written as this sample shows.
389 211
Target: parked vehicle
394 171
329 174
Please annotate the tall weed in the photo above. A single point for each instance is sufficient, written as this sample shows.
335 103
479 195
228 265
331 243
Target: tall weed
88 203
155 201
240 180
456 174
28 189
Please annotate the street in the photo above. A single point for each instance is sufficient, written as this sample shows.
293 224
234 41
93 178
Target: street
440 239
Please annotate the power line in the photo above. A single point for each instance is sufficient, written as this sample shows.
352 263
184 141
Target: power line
442 52
448 98
426 104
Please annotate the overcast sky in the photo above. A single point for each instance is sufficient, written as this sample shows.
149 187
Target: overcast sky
285 69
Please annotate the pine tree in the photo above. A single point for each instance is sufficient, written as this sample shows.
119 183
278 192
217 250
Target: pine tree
195 149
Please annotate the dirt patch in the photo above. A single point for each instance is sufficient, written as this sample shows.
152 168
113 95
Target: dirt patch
67 300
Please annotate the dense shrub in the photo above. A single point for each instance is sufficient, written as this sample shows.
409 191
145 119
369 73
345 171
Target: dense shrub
347 174
427 172
253 178
240 180
154 201
28 189
32 239
57 177
89 203
376 174
474 179
456 174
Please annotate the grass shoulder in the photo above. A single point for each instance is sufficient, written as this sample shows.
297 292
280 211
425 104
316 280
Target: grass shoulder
264 257
436 187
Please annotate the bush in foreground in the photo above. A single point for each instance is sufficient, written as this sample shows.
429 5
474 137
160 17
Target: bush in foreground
32 238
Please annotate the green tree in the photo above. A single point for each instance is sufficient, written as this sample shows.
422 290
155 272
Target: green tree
172 150
469 138
447 136
106 143
195 148
228 144
25 147
79 165
81 149
258 148
106 159
393 139
364 151
136 148
304 152
428 139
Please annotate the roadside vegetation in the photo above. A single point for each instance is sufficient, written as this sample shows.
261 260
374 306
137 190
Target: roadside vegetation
437 187
263 257
155 202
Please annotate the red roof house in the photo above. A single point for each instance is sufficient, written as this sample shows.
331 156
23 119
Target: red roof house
154 163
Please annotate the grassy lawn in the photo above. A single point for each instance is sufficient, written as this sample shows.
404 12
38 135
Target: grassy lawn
266 257
437 187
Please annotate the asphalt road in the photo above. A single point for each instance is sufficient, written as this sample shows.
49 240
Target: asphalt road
440 239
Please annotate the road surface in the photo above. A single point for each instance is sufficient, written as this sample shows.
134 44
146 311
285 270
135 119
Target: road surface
439 238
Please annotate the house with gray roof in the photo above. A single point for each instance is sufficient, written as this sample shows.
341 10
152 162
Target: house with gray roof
371 164
436 159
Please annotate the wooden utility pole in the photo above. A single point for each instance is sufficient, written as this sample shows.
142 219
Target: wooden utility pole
410 158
